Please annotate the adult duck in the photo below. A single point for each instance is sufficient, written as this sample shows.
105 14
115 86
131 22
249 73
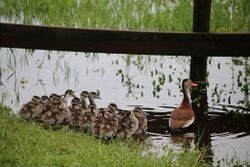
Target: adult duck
183 116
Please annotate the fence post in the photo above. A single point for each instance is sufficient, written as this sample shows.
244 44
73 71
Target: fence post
198 72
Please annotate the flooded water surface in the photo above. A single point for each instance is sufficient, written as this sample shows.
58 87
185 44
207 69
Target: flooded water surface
152 82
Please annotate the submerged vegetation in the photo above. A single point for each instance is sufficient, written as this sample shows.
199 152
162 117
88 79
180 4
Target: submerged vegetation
32 144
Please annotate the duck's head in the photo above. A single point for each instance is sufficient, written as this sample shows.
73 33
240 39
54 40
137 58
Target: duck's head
188 84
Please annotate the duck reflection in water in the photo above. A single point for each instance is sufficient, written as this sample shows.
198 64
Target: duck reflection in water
186 139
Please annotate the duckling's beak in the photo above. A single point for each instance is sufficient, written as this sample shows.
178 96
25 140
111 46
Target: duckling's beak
98 98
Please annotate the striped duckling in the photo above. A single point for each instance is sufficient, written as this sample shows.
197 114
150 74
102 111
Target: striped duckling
97 122
143 123
76 112
109 125
128 124
31 109
47 106
56 114
87 118
68 93
92 97
84 97
90 111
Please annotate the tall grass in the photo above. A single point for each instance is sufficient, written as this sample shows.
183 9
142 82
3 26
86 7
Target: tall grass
31 144
122 14
230 16
175 15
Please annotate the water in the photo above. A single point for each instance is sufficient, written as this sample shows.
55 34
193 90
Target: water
152 82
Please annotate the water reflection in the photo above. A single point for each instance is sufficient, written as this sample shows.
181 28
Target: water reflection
152 82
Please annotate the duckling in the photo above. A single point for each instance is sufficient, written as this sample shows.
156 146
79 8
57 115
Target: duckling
53 98
92 97
76 112
96 124
31 109
47 106
87 118
84 96
109 126
128 124
143 123
68 93
57 113
112 107
75 103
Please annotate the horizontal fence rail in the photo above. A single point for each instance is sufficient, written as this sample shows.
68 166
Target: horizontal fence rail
123 41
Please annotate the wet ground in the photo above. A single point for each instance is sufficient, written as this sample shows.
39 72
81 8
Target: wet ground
150 82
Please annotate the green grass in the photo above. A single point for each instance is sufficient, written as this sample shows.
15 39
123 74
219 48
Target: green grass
115 14
30 144
226 15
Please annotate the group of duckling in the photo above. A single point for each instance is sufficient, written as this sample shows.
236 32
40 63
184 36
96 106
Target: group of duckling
83 114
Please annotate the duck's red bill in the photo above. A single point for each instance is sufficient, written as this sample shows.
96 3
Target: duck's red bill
194 84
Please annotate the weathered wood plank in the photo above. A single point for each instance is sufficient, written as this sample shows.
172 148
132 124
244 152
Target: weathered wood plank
131 42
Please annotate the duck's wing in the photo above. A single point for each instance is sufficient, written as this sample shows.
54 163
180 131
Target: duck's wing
181 118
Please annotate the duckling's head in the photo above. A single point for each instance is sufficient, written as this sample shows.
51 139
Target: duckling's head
36 99
113 107
84 94
76 100
93 95
139 112
45 99
69 93
56 100
53 95
101 112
